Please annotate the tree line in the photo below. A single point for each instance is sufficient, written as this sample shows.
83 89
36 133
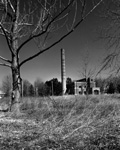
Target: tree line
54 86
38 88
109 85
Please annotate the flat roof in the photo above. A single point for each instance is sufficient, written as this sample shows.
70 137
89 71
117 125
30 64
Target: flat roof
80 80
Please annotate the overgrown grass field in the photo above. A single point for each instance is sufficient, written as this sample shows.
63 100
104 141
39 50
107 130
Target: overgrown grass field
63 123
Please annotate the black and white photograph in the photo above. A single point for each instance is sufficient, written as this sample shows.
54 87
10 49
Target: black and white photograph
59 74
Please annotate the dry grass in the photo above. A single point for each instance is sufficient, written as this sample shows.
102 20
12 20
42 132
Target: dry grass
64 123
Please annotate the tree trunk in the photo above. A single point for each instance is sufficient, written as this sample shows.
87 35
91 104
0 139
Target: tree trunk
16 87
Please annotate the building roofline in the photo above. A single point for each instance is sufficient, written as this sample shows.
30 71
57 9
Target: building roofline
81 80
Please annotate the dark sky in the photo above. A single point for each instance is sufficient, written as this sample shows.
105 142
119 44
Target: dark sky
47 65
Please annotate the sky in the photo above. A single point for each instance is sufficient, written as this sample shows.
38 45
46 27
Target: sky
48 65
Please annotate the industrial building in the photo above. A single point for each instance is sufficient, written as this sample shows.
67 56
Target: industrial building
86 86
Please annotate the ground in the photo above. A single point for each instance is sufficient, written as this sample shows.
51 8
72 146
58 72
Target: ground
63 123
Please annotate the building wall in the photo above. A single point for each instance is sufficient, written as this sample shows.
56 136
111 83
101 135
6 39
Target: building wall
81 88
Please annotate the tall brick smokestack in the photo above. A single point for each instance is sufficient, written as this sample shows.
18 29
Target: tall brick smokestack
63 74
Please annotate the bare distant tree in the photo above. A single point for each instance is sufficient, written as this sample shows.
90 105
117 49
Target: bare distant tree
38 20
26 86
87 71
7 85
38 86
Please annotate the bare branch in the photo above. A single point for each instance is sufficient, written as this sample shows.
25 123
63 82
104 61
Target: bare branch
4 59
83 8
74 15
62 17
39 23
59 27
93 9
2 34
7 32
107 62
25 16
49 24
7 39
12 7
45 38
64 36
25 24
7 65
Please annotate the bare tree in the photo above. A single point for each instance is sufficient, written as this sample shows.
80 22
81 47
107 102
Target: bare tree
39 87
86 70
26 86
38 20
110 33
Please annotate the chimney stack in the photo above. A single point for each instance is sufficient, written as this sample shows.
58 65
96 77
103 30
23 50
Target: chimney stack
63 74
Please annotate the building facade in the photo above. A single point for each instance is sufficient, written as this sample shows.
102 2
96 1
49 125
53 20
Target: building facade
86 86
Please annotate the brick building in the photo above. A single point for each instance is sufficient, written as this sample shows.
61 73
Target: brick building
86 86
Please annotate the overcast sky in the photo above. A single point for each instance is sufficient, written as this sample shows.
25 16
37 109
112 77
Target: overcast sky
47 65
